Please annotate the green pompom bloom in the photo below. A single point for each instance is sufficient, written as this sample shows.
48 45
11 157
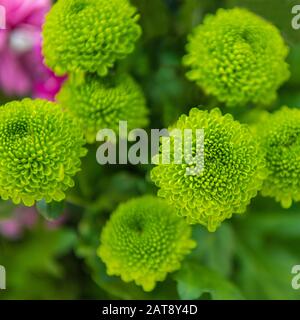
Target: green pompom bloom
143 241
279 134
238 57
40 150
233 171
101 103
89 35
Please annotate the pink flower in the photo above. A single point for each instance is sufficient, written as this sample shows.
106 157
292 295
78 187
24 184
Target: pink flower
21 65
46 84
22 218
25 218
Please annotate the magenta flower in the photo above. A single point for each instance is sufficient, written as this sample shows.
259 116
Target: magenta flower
23 219
46 84
21 65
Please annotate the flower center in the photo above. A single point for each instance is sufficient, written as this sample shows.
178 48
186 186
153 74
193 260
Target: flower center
16 129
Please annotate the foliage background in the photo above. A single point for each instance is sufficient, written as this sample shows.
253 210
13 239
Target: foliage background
249 257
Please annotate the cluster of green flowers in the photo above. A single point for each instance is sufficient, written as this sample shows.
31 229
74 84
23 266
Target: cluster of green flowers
85 38
42 142
237 57
237 164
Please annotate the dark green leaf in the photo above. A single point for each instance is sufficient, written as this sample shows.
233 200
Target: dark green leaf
194 280
50 211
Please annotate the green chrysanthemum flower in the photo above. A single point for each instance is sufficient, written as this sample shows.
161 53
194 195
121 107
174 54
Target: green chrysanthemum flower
143 241
279 134
233 171
40 150
102 103
237 57
89 35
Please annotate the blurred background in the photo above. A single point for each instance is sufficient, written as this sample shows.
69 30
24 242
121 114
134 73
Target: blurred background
49 251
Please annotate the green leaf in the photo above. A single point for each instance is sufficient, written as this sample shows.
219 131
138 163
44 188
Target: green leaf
215 250
265 273
267 249
50 211
120 289
34 268
284 224
194 280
